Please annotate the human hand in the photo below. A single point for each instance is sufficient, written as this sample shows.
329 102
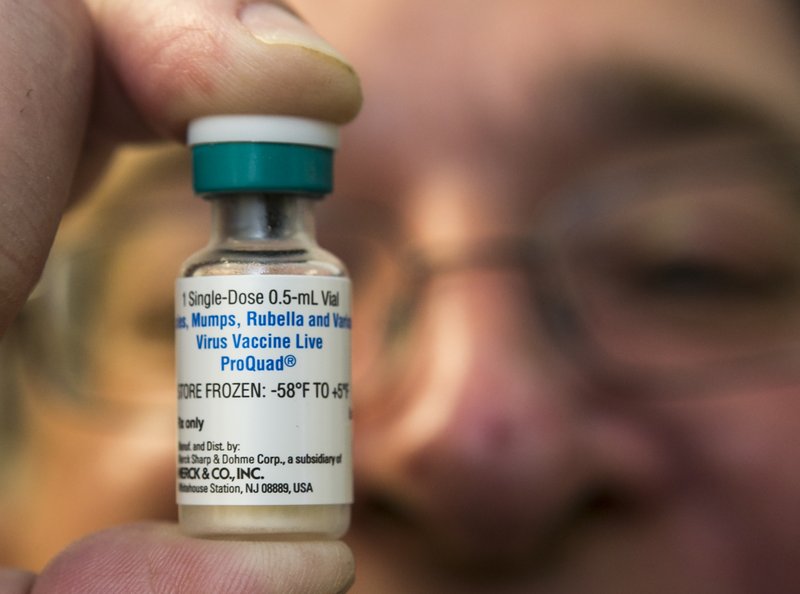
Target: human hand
80 78
77 79
156 558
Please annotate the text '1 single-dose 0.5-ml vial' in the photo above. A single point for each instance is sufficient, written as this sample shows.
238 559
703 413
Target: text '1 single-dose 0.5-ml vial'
263 340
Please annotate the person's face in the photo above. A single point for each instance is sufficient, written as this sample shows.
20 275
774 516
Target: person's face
488 459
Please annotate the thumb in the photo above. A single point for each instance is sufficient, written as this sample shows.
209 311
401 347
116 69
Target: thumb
181 59
157 558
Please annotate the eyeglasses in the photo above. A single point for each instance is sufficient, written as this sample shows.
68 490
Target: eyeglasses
673 272
676 270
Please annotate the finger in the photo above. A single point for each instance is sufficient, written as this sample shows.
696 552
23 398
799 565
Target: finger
181 59
157 558
14 581
45 80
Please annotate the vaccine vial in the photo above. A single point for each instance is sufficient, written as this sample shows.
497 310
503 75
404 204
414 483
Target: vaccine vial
263 340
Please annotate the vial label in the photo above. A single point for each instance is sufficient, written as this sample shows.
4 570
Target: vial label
263 387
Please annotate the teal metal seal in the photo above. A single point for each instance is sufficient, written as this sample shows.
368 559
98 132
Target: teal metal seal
262 167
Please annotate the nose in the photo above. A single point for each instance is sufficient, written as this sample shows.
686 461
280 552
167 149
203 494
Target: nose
485 440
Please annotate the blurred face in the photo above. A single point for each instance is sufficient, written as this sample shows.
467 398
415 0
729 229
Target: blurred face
499 453
574 229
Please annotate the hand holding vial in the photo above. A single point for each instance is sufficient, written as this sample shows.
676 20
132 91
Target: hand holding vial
66 103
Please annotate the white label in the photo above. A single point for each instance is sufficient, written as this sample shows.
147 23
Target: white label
263 378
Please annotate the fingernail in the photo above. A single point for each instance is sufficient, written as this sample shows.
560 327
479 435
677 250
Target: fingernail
273 24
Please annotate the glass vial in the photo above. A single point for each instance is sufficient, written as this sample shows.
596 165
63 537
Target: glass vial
263 340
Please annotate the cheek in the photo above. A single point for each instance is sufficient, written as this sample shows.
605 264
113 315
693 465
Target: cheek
138 464
742 455
132 382
103 465
137 457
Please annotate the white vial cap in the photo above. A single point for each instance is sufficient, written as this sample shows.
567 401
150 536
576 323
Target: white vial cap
263 128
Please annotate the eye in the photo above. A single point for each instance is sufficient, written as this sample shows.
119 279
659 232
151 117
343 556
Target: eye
679 262
699 279
156 324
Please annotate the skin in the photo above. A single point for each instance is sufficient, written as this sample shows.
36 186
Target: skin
141 81
485 492
553 484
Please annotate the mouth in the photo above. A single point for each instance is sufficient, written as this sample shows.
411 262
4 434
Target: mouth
485 554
